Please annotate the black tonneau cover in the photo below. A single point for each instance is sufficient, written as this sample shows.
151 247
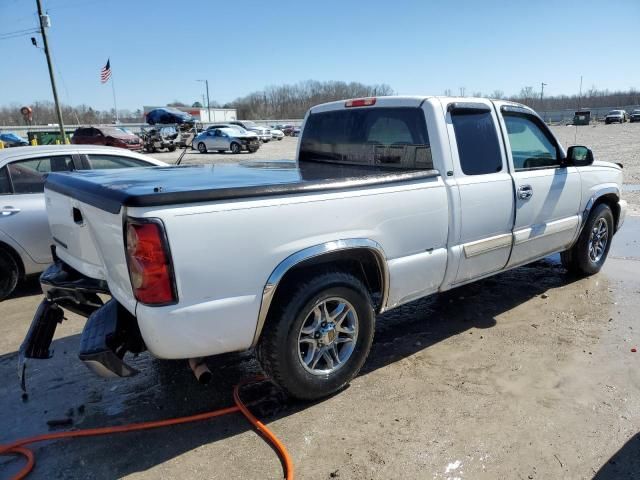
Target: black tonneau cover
109 190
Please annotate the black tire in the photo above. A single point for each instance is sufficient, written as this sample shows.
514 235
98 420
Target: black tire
235 148
9 274
253 149
280 138
279 348
578 259
202 148
172 148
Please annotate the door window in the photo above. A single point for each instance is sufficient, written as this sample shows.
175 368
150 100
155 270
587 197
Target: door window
477 140
531 146
101 162
5 184
27 176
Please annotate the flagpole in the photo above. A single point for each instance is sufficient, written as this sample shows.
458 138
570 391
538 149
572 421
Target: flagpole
113 89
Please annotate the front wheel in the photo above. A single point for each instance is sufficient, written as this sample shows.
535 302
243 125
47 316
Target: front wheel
589 253
318 335
236 148
202 148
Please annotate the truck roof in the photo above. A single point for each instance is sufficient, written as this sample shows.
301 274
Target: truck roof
408 101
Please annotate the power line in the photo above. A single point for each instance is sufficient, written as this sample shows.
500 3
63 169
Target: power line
17 34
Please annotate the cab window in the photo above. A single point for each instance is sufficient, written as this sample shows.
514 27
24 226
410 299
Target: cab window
27 176
531 146
477 141
390 137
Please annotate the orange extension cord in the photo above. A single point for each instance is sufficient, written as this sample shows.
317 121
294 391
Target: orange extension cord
18 447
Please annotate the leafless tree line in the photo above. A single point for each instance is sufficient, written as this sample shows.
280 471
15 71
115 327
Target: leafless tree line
292 101
591 98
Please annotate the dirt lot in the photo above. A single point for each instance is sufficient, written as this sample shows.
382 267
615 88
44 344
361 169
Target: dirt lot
525 375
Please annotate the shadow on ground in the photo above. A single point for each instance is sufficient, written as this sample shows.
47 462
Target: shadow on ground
62 386
625 464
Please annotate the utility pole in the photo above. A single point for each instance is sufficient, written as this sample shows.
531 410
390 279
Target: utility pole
44 20
542 85
206 82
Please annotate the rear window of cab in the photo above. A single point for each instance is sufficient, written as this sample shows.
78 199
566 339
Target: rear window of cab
379 136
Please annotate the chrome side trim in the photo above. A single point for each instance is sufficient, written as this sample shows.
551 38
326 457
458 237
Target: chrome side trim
543 230
486 245
317 250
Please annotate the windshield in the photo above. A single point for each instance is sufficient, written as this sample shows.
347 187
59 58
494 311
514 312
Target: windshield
615 112
230 131
250 124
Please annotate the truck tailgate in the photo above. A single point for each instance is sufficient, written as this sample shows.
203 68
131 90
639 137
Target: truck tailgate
84 236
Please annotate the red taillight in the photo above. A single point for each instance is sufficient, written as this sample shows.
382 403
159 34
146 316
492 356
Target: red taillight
150 268
361 102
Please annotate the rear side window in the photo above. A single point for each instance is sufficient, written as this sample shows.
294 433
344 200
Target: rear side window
5 184
27 176
392 137
101 162
477 140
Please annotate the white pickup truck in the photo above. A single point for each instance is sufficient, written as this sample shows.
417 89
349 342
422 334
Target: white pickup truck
390 199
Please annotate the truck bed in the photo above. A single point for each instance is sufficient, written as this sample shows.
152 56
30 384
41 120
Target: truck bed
109 190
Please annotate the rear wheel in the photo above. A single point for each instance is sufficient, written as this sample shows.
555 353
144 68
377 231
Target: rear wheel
589 253
202 148
172 148
236 148
9 274
318 336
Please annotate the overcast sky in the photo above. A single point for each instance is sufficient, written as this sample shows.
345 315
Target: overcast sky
159 48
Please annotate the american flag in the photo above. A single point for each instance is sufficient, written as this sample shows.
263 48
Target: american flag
105 73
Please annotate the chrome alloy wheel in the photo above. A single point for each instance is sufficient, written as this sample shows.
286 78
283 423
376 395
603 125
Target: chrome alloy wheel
328 336
598 240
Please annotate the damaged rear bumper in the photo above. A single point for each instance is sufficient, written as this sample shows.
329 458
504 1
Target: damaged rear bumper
110 331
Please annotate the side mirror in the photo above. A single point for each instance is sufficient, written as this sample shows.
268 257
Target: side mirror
579 156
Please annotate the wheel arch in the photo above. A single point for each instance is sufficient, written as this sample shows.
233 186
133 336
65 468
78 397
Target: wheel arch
610 196
362 257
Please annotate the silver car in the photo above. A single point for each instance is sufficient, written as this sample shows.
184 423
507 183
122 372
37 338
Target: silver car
224 139
25 240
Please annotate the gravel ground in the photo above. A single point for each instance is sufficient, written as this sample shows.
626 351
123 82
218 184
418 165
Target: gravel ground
526 375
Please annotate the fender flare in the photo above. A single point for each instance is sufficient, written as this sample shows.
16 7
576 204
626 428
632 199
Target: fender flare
270 288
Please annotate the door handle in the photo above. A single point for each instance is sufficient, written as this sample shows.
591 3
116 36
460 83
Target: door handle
8 211
525 192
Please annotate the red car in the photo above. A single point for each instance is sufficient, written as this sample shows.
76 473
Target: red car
109 136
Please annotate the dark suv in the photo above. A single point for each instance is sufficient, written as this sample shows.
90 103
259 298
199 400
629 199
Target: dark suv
109 136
